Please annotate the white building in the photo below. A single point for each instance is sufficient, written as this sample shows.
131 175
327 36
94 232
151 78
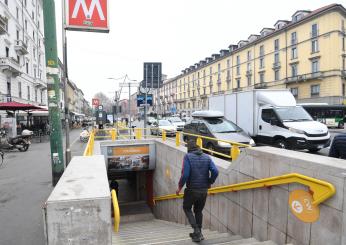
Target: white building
22 52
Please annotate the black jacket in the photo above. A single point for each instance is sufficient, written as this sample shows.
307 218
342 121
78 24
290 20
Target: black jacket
338 147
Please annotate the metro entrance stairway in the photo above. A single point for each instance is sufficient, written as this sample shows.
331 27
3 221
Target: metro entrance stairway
162 232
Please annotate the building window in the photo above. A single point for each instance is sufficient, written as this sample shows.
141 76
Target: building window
277 75
276 58
6 2
219 87
343 63
219 72
249 80
261 61
7 50
228 84
293 38
238 60
343 89
261 51
314 30
27 67
343 44
26 25
315 90
8 86
314 46
294 92
314 66
19 89
17 13
249 67
228 64
238 83
25 3
28 92
262 77
41 96
294 53
294 69
276 45
248 55
238 70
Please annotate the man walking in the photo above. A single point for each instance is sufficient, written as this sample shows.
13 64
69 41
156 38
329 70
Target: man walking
338 147
199 173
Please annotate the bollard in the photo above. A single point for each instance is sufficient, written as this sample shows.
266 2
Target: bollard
235 151
199 142
164 135
177 139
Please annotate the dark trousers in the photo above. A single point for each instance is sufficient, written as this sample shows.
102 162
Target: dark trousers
195 198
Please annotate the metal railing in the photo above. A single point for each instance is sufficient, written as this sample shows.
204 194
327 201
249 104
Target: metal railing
321 190
139 133
116 211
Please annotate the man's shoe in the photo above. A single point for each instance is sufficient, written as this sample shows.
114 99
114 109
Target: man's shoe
196 237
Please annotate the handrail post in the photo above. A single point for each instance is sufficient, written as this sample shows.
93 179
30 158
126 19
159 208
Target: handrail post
113 134
164 137
138 133
199 142
177 139
235 151
116 211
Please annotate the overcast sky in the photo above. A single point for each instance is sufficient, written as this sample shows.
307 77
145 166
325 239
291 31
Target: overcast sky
177 33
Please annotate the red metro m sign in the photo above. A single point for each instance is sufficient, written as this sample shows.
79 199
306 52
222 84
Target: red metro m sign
87 15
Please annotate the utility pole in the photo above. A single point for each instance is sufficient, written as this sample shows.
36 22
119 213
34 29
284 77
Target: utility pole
67 114
56 147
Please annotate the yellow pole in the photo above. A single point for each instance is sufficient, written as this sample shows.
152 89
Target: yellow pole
235 151
164 135
177 139
138 133
113 134
116 211
199 142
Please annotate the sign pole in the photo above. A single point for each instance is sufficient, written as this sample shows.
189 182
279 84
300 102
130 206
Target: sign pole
145 105
67 114
53 84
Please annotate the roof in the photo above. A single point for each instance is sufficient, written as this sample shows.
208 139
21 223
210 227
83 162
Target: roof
207 114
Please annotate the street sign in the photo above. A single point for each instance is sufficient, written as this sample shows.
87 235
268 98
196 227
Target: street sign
301 206
100 107
141 99
152 75
87 15
95 102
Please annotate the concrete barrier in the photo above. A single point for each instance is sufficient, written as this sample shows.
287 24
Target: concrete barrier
78 211
261 213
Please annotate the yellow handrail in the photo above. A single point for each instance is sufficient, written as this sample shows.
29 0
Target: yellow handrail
116 211
89 149
321 190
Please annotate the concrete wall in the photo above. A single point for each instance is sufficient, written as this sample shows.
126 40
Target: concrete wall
261 213
78 211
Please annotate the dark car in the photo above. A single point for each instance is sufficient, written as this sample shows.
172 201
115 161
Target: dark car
214 125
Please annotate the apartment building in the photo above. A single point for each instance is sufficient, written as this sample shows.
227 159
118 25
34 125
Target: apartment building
305 54
166 105
22 52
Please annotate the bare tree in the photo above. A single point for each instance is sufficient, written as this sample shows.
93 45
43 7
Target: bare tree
105 101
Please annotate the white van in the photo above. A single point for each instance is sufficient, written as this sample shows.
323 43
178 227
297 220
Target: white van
272 117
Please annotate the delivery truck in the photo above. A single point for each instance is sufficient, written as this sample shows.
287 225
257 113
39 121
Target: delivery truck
272 117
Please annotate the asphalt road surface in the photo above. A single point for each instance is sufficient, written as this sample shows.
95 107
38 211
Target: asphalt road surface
25 184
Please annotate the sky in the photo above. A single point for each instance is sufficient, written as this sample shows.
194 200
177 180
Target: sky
178 33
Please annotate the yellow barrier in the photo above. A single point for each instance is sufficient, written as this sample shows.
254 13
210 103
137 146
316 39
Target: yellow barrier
177 139
321 190
89 150
116 211
164 137
138 133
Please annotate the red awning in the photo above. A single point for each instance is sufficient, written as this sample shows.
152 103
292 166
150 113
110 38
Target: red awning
16 106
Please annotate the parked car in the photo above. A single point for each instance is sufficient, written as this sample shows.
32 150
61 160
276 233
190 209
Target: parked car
169 128
176 121
213 124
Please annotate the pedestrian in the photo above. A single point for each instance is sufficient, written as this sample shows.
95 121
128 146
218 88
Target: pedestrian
195 173
338 147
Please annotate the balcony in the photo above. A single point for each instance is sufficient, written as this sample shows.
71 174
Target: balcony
305 77
236 90
3 25
38 83
276 65
193 98
20 47
10 65
261 86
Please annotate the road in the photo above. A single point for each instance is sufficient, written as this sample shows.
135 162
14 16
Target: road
25 184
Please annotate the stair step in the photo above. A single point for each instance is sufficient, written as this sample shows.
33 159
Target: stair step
175 239
264 243
220 238
247 241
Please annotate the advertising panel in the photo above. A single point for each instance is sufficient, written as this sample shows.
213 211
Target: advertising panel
129 158
87 15
141 99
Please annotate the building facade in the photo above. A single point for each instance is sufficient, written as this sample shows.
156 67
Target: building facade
305 54
22 52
